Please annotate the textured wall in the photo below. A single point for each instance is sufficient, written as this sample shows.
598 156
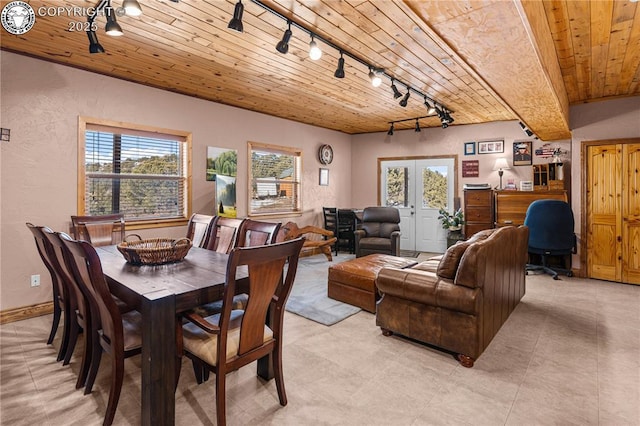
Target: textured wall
41 103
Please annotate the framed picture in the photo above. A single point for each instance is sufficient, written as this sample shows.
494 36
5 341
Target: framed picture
324 177
469 148
522 153
490 147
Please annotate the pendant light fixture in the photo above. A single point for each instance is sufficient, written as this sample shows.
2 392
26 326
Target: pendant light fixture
132 8
396 92
283 45
314 51
236 22
112 28
403 102
340 70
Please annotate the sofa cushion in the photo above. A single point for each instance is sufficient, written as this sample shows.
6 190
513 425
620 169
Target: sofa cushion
448 265
375 243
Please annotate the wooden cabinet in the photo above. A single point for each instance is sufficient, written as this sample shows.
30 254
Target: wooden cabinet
511 206
549 177
478 210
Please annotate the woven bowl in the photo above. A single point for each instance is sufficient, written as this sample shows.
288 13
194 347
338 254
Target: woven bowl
155 251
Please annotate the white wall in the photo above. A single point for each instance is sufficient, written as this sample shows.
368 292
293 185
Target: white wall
41 102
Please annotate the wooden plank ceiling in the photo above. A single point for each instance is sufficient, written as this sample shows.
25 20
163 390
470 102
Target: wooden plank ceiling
486 60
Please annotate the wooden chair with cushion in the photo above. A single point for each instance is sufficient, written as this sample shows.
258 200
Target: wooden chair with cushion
255 233
120 335
199 229
101 230
233 338
60 296
330 216
224 234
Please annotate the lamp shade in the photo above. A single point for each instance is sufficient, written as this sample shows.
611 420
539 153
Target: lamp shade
501 164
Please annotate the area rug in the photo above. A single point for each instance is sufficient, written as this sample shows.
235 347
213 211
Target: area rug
308 296
409 253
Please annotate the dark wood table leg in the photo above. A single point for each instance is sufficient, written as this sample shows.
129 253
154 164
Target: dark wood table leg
158 358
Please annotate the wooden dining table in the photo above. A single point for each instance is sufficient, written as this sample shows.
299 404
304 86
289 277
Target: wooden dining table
160 293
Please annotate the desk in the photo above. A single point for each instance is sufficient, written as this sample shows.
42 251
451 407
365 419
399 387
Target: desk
159 293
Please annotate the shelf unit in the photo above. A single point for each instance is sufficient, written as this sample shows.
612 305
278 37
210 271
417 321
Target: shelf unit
549 177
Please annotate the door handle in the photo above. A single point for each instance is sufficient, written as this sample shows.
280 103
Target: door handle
412 213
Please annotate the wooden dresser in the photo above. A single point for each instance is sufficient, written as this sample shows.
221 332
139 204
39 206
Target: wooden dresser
511 206
478 210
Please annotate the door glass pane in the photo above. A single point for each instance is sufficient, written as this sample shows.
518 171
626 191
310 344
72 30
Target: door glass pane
434 187
397 187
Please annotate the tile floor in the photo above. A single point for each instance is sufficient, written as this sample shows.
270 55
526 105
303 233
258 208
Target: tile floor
569 354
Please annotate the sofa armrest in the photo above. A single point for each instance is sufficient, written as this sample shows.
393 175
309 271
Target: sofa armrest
409 284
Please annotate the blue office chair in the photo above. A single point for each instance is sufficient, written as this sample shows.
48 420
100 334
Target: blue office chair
551 234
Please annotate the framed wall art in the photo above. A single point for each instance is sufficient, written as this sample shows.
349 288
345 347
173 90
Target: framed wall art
469 148
522 153
490 147
324 177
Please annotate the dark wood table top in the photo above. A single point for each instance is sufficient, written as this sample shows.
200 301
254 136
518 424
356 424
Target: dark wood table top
196 280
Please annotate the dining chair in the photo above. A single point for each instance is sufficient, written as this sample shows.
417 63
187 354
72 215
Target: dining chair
224 234
330 216
103 230
255 233
233 338
346 230
80 316
118 334
60 295
199 229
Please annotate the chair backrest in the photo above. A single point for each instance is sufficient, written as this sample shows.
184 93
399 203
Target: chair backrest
551 226
269 286
76 294
87 270
199 229
101 230
46 254
224 234
330 215
254 233
347 220
380 221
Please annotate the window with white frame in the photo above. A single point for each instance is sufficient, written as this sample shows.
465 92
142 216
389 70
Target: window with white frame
274 179
141 172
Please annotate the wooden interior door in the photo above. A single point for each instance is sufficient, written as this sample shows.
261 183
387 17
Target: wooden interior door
604 192
631 214
613 209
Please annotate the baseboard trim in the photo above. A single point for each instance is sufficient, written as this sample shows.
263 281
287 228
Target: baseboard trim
25 312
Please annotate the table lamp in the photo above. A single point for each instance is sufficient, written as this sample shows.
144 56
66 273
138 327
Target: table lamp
501 165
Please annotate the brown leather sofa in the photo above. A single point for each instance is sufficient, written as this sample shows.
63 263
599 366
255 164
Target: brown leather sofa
459 301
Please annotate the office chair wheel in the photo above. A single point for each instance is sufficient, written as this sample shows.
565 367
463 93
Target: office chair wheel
570 273
555 277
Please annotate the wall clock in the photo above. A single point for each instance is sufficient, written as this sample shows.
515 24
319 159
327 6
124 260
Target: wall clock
325 154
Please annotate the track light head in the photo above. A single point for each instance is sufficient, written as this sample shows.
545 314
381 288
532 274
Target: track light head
445 125
94 46
314 51
374 75
403 102
340 70
447 117
283 45
132 8
525 129
396 92
390 132
418 129
236 22
112 28
430 108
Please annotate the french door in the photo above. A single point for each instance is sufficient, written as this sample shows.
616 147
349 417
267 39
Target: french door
418 188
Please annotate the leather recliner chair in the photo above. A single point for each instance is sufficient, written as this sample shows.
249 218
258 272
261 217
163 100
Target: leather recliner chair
379 232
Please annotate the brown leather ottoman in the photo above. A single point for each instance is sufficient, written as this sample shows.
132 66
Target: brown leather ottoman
353 281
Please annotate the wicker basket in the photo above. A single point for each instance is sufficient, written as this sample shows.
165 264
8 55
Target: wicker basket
154 251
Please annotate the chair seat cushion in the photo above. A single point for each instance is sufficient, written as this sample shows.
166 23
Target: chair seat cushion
375 243
205 345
